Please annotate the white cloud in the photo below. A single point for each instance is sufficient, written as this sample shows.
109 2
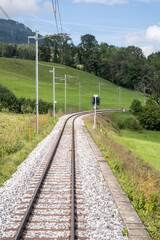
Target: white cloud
147 50
132 37
147 40
108 2
14 7
153 33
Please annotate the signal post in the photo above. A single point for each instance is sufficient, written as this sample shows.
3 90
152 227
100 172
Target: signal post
96 102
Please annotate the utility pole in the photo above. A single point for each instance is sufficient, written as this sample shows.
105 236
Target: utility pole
36 39
79 96
119 97
144 95
99 92
53 92
65 92
53 71
95 106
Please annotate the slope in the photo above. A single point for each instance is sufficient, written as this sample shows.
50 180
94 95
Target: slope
19 76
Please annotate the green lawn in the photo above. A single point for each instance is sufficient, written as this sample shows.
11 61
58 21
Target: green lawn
145 144
19 77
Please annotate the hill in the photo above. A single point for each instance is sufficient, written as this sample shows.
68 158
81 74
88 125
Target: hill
19 76
14 32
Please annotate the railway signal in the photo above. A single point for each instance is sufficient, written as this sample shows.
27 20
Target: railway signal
95 100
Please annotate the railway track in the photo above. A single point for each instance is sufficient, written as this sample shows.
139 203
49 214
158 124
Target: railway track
53 207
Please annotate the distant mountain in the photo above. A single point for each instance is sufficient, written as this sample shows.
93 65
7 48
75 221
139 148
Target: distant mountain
14 32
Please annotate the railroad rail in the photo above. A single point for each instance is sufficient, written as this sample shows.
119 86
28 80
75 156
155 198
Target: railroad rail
47 191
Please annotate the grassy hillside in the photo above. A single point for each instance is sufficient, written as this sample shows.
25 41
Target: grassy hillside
19 77
146 144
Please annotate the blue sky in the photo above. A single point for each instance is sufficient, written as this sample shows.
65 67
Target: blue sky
116 22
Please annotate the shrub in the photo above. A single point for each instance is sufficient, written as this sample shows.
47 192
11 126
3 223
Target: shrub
136 106
44 107
120 124
132 124
8 100
129 123
150 117
29 106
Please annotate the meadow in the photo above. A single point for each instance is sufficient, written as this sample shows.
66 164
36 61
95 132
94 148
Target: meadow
19 76
18 138
144 143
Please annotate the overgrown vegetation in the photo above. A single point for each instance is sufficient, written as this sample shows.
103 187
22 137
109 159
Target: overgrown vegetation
148 115
8 100
18 138
10 103
138 177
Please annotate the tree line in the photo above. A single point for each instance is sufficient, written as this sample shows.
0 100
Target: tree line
124 66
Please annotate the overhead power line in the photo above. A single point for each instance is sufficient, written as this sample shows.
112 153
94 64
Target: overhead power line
56 11
5 13
59 16
54 5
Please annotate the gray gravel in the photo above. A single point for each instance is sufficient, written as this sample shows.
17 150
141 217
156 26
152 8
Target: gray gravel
103 218
103 221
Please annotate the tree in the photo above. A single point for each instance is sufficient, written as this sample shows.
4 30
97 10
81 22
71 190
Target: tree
153 85
136 106
8 100
149 117
87 47
59 43
45 51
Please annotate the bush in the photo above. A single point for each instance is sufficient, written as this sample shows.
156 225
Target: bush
44 107
8 100
150 116
129 123
27 105
136 106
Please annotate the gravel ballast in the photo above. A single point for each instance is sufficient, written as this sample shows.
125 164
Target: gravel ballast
103 217
103 220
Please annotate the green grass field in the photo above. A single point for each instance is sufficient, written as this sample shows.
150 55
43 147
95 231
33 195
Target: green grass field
18 138
145 144
19 77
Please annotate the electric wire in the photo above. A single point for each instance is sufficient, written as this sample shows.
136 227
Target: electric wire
59 16
5 13
55 14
